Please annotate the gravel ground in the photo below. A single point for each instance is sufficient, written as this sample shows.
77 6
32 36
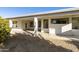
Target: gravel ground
26 42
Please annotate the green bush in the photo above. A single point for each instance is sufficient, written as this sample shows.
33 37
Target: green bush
4 30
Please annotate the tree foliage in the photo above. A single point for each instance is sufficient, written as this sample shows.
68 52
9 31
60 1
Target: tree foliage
4 29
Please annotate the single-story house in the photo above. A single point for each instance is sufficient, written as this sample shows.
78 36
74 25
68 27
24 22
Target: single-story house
63 22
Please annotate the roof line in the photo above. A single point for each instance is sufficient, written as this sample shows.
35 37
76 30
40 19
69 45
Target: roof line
46 12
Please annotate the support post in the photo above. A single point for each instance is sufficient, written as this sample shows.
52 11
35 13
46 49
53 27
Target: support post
42 26
49 23
10 23
35 26
70 21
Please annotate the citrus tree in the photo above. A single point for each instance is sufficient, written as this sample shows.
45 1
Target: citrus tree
4 29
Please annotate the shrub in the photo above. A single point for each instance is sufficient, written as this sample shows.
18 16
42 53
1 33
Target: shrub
4 30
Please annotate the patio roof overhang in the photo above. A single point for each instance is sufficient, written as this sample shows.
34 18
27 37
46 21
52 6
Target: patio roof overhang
62 12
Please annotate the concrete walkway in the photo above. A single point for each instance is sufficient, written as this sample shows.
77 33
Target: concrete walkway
58 37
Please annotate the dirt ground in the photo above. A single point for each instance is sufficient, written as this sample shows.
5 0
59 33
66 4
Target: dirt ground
26 42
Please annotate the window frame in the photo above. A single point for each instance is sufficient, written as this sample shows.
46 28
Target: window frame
60 21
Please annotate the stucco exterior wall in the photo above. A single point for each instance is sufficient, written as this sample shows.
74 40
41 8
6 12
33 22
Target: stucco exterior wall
60 29
63 29
45 30
75 32
19 24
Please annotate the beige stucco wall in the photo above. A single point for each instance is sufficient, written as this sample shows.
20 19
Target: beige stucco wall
60 29
19 24
45 30
75 32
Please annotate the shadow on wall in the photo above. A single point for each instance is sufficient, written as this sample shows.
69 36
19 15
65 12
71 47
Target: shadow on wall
26 42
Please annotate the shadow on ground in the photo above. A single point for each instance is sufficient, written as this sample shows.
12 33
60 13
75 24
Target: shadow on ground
74 42
26 42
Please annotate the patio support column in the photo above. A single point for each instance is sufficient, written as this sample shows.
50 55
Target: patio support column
35 25
49 23
10 23
70 21
42 25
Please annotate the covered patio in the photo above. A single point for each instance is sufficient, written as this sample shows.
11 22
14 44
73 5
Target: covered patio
55 23
32 24
61 25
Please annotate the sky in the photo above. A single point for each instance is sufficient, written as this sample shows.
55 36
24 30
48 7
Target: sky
6 12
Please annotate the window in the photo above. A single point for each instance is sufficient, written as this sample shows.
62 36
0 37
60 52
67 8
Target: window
14 24
75 23
31 24
60 21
